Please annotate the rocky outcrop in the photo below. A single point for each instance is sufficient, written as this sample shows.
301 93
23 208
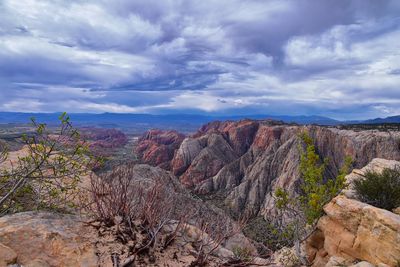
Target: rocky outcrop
37 239
214 146
157 147
215 154
225 150
55 240
362 146
355 231
7 256
47 239
249 159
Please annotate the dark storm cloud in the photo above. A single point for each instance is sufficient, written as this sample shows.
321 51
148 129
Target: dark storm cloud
336 58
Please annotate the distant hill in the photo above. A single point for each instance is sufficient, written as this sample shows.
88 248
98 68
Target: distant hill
392 119
137 123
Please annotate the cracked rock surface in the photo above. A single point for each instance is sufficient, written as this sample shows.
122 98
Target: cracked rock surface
356 231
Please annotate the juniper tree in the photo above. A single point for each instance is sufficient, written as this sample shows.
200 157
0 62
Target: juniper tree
301 213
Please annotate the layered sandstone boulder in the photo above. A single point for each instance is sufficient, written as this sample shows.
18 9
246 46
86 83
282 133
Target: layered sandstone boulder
355 231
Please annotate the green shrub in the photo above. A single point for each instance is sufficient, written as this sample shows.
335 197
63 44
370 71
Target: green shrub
316 190
47 174
299 214
242 254
381 190
269 233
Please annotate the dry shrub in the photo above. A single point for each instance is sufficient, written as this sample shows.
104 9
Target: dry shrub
214 231
135 212
133 208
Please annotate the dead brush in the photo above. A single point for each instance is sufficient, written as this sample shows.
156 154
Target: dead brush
134 212
213 232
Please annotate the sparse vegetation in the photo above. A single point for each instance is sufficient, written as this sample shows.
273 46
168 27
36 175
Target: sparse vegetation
137 213
242 254
316 191
288 258
46 175
302 212
380 189
269 233
130 209
213 232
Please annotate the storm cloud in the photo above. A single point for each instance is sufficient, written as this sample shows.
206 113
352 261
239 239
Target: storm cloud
301 57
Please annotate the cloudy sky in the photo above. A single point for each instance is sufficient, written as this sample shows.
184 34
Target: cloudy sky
338 58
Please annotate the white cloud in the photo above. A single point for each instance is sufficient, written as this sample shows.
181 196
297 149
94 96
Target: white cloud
207 55
81 23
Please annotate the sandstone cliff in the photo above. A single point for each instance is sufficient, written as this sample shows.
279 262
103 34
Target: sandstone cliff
354 231
246 160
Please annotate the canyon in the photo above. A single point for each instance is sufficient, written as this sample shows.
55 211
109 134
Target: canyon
223 171
245 161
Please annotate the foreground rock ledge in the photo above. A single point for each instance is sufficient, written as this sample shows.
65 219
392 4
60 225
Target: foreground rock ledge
46 238
355 231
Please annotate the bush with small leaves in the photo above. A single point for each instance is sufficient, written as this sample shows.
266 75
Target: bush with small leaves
242 254
47 174
381 190
269 233
288 258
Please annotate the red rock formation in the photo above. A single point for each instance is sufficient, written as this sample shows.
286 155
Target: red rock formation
249 159
215 145
266 136
157 147
206 163
103 141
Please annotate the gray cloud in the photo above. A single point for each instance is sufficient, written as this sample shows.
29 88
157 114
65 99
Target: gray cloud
336 58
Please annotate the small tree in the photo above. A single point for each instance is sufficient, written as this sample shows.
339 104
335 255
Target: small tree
301 213
47 174
316 191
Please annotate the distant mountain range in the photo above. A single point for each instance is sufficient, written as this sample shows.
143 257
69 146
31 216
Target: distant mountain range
392 119
183 122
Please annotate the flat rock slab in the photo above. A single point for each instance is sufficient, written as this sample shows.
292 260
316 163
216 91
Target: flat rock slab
52 239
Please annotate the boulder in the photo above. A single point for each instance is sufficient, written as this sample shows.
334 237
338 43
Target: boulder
362 264
57 240
353 230
397 210
7 256
335 261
